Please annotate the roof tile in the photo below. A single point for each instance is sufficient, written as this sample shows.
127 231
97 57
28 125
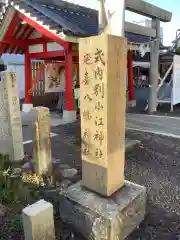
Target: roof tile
72 19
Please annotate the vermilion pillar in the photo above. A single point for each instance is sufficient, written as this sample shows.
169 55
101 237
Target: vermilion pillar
130 76
28 77
69 78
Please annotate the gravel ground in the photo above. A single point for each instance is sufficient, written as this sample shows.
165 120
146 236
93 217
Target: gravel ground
154 164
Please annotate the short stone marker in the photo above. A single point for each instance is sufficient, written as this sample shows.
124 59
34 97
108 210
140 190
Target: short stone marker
38 221
11 141
106 206
42 143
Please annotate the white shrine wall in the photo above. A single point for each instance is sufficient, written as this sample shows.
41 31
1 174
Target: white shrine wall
51 46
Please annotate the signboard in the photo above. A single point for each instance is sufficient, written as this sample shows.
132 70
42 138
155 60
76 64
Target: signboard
176 80
55 77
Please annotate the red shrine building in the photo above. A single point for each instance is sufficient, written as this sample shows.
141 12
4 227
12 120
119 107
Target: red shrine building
49 31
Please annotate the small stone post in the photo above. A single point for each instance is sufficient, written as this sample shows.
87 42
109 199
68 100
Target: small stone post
38 221
11 141
42 143
103 61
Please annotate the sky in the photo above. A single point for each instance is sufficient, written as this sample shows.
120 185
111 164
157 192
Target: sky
168 28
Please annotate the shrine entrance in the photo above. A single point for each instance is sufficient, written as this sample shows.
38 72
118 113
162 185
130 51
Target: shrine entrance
58 62
31 30
48 84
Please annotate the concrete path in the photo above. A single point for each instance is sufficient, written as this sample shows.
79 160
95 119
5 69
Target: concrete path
28 136
56 120
28 126
163 125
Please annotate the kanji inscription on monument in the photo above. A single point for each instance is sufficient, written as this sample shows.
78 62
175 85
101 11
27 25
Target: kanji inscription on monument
102 99
10 118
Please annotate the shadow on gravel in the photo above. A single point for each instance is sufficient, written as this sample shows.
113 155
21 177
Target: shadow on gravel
158 224
154 164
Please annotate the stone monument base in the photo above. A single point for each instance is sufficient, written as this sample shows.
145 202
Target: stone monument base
97 217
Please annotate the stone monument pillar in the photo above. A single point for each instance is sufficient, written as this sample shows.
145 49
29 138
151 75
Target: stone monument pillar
107 206
11 141
42 143
103 102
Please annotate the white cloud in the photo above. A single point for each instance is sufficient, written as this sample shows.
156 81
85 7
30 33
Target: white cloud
169 28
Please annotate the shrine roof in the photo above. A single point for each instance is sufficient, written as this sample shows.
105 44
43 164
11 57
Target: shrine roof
71 19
